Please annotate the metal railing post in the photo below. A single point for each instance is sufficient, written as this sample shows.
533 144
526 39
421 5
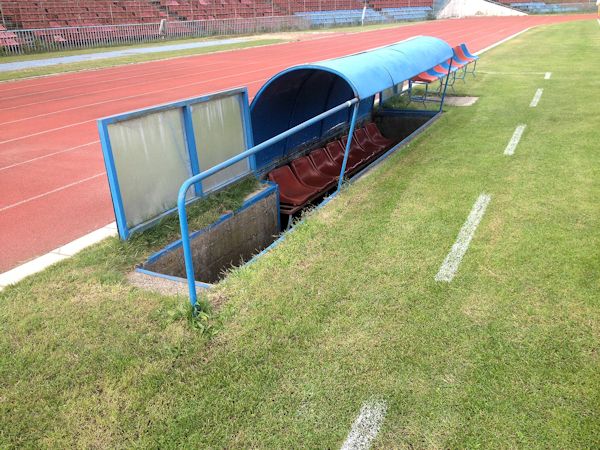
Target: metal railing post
348 144
182 195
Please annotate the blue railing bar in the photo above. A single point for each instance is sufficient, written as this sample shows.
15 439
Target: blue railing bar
181 197
348 143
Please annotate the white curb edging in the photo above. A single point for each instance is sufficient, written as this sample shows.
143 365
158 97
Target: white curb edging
66 251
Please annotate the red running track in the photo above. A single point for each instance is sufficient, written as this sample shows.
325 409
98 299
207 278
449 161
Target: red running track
52 177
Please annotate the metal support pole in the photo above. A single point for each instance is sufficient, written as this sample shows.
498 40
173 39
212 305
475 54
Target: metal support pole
445 86
181 197
348 143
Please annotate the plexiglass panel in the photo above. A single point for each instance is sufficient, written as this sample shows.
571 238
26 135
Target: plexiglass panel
219 133
152 162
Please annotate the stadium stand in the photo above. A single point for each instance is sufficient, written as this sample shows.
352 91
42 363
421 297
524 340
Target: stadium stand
549 6
38 14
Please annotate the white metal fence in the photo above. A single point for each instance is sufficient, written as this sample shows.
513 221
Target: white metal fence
15 42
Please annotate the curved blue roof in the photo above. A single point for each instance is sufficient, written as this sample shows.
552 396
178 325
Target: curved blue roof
302 92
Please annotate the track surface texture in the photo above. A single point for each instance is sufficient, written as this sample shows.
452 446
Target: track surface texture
52 177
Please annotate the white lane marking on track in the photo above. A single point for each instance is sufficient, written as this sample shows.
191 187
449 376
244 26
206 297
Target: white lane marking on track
250 83
30 199
450 265
514 140
366 426
547 75
536 98
48 155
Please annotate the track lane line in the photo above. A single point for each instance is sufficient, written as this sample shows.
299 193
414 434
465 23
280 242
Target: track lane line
36 197
12 166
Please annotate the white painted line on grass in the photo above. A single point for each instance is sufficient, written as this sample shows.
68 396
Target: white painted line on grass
547 75
536 98
366 426
514 140
450 265
66 251
598 21
510 73
502 41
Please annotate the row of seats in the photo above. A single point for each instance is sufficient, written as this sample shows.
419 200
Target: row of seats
32 14
455 67
311 176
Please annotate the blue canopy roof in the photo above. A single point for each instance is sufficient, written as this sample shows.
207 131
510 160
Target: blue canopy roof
302 92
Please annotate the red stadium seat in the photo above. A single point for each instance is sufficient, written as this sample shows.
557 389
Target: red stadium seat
336 152
361 137
293 195
376 137
324 164
309 175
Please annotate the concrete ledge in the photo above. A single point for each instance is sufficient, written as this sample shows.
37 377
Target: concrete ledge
66 251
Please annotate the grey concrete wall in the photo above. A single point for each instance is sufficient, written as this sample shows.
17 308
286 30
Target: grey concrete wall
230 243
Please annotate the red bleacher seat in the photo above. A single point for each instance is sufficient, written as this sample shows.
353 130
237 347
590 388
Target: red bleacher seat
336 152
376 137
306 172
324 164
293 195
373 148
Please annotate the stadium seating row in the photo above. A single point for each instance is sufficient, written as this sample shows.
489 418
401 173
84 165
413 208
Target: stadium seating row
311 176
455 67
34 14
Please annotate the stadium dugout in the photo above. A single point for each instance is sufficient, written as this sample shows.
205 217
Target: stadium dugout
308 129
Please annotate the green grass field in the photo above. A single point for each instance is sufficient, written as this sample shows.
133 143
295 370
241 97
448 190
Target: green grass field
346 309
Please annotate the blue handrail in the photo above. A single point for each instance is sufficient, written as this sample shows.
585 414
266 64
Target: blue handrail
181 198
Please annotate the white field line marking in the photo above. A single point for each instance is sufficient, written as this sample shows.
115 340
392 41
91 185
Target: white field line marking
510 73
366 426
514 140
598 21
547 75
536 98
502 41
66 251
48 155
66 186
450 265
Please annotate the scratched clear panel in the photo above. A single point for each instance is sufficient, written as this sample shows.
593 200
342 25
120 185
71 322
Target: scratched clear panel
152 162
219 133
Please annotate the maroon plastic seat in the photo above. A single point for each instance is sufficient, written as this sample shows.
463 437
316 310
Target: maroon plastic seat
356 149
292 192
309 175
324 164
371 147
336 152
376 137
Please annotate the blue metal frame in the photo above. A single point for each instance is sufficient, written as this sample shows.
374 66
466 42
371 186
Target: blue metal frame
181 198
270 189
185 106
